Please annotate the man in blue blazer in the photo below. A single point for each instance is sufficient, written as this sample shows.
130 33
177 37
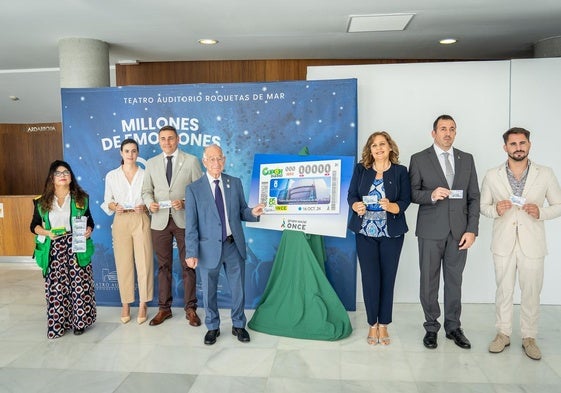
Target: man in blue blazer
444 184
215 207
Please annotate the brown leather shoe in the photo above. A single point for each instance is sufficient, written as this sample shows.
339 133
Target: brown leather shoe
192 317
160 317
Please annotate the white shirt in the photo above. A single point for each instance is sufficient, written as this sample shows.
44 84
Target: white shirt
119 190
439 152
221 185
59 216
173 160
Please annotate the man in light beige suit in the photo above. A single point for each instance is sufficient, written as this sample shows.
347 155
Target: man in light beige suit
163 191
513 194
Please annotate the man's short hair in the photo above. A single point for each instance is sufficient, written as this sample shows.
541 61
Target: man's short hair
168 128
516 130
442 117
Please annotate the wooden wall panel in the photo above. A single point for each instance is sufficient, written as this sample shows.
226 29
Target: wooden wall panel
237 71
185 72
15 237
27 151
228 71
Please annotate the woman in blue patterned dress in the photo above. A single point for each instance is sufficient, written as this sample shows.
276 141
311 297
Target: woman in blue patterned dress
69 285
379 194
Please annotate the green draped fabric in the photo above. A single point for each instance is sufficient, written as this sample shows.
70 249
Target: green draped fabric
299 301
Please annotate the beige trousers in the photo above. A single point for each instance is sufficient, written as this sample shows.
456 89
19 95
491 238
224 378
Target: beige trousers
530 278
132 245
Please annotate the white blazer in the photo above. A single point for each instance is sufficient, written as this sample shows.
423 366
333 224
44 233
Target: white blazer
541 184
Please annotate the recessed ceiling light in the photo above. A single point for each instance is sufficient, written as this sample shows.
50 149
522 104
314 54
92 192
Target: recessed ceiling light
448 41
207 41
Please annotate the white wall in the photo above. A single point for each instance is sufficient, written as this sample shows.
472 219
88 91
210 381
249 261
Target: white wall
536 105
404 99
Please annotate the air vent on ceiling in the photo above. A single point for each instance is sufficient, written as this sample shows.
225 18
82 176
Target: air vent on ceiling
378 22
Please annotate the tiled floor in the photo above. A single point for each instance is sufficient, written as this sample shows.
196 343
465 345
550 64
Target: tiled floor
112 357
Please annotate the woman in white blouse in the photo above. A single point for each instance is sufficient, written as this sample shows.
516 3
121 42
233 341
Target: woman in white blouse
132 242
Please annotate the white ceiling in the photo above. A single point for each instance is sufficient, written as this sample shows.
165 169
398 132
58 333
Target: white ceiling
168 30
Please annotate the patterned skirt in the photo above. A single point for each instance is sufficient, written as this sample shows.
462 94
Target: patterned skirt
69 291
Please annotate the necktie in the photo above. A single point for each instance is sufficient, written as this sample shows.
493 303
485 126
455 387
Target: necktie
169 169
449 171
220 206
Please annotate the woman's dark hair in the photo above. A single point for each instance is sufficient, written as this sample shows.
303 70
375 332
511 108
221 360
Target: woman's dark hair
76 192
126 142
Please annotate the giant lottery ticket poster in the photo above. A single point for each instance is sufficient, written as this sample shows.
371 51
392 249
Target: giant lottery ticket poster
302 193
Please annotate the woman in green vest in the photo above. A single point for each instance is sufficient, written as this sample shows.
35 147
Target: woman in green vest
63 248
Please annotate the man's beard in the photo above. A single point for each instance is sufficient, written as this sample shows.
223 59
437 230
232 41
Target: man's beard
518 158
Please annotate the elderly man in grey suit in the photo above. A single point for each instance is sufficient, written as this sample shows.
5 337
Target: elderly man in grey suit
163 191
444 184
513 195
215 207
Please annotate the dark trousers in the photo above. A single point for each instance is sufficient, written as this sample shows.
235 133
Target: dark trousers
163 247
434 255
378 258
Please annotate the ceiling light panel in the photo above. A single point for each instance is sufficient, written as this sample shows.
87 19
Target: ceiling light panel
378 22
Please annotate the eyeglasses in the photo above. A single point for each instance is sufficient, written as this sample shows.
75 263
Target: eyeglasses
61 174
215 159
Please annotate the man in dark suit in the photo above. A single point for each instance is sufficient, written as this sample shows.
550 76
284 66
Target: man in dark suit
163 192
215 207
444 184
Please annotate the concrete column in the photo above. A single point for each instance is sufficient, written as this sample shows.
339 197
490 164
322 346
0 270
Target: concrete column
83 62
548 47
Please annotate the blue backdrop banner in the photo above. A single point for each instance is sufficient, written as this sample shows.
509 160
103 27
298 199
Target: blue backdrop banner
244 119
